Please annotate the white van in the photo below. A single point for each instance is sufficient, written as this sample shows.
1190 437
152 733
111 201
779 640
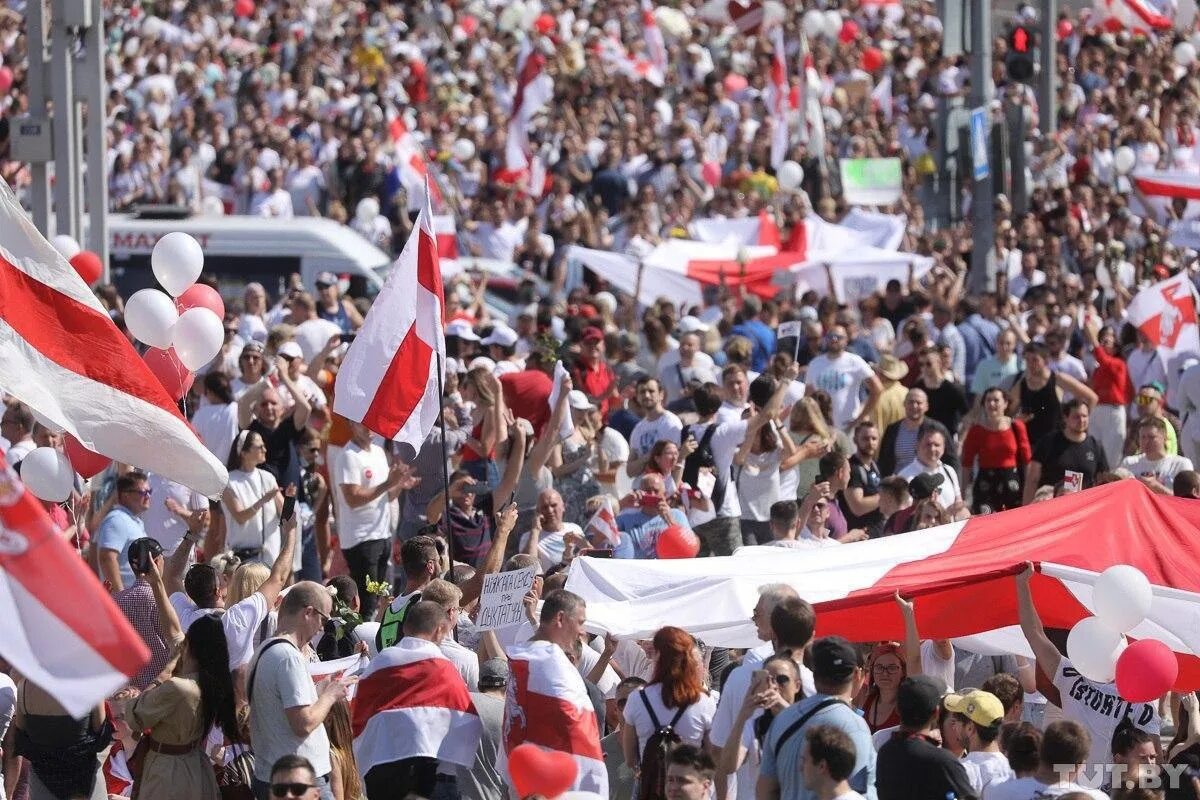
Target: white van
242 249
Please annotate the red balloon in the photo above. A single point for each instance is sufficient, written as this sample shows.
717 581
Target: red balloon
170 371
677 542
1146 670
1065 29
200 295
872 59
544 24
548 773
849 32
6 79
711 172
86 462
734 83
243 8
88 265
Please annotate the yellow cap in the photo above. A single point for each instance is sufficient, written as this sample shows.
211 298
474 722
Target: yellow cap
982 708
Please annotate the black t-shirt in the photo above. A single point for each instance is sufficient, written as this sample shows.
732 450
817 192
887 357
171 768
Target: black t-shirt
867 478
1057 454
947 404
282 459
913 768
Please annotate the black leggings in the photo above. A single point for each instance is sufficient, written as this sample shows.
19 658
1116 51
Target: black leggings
396 780
367 560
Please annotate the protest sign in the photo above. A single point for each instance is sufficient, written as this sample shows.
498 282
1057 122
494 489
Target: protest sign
501 603
871 181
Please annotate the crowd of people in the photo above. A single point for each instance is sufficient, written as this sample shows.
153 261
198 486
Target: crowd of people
913 406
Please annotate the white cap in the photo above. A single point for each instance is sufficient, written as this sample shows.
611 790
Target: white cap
690 324
290 350
462 329
454 365
482 361
501 335
579 401
606 301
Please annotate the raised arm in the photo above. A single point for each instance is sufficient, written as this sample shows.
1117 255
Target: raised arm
302 409
247 402
281 570
1048 657
506 520
1077 388
504 490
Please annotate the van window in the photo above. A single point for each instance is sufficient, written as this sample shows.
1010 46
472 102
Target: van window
133 272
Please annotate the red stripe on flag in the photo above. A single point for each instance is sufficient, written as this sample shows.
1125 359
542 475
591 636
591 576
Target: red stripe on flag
397 395
52 573
1156 188
548 721
76 337
428 683
429 274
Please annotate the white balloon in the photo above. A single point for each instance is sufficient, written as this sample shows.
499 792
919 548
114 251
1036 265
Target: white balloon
1122 597
66 246
197 337
463 149
150 315
1185 54
1094 648
814 23
1124 159
833 23
789 175
177 260
48 474
367 210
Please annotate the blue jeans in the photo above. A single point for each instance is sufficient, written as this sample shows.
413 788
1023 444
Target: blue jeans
262 789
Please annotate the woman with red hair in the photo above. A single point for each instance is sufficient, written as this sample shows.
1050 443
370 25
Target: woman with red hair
676 696
887 668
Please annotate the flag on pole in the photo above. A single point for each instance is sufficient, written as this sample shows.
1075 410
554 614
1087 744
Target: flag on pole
412 703
534 90
60 628
604 523
390 376
63 357
548 705
778 97
1165 313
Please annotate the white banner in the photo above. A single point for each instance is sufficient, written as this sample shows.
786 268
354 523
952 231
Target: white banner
503 600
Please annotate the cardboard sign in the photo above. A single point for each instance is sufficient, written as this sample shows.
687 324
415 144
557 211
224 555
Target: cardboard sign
502 601
871 181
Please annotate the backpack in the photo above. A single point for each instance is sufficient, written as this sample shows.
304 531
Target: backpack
652 784
702 456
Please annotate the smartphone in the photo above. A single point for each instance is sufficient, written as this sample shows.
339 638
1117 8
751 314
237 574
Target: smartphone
347 338
141 564
758 680
650 499
597 552
289 507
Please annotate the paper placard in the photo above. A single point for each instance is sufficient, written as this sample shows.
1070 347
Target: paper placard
502 601
871 181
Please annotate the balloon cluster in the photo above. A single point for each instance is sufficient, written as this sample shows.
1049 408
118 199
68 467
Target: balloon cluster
1144 670
185 333
829 24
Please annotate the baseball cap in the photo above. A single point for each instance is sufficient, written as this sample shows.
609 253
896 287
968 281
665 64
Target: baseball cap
326 279
253 346
462 329
807 314
501 335
690 324
982 708
579 401
493 673
290 350
834 659
917 699
481 361
925 485
592 334
139 549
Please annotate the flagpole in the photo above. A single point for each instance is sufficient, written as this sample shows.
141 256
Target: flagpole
445 464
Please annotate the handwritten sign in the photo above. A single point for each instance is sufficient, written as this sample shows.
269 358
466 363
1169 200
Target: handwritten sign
501 603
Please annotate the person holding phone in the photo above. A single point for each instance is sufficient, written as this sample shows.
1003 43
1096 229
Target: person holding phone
640 526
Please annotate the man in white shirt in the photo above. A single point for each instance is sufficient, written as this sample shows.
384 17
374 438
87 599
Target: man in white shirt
1060 360
546 540
678 368
366 485
736 381
1154 461
1061 761
297 367
931 445
312 333
980 714
816 530
657 424
449 597
843 375
172 506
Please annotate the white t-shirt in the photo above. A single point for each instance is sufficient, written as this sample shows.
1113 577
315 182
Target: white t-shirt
241 622
725 441
842 378
464 660
281 681
935 666
987 769
1099 708
368 469
262 529
252 328
691 728
730 412
1165 468
217 425
809 540
162 524
649 432
616 453
312 336
1033 789
948 493
551 544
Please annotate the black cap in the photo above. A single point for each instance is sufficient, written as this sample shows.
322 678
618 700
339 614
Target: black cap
493 673
834 659
925 485
917 699
141 551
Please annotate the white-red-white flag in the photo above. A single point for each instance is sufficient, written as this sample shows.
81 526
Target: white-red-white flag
390 376
604 523
60 628
777 97
411 703
1165 313
534 90
61 355
1175 184
548 705
1137 16
414 171
656 46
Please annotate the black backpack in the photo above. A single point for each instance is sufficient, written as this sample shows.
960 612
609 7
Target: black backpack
702 456
652 783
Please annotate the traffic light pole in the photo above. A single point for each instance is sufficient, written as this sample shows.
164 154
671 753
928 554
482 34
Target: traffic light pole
1048 79
982 194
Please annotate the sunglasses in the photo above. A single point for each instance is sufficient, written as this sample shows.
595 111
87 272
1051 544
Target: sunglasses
782 680
142 492
324 618
290 789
